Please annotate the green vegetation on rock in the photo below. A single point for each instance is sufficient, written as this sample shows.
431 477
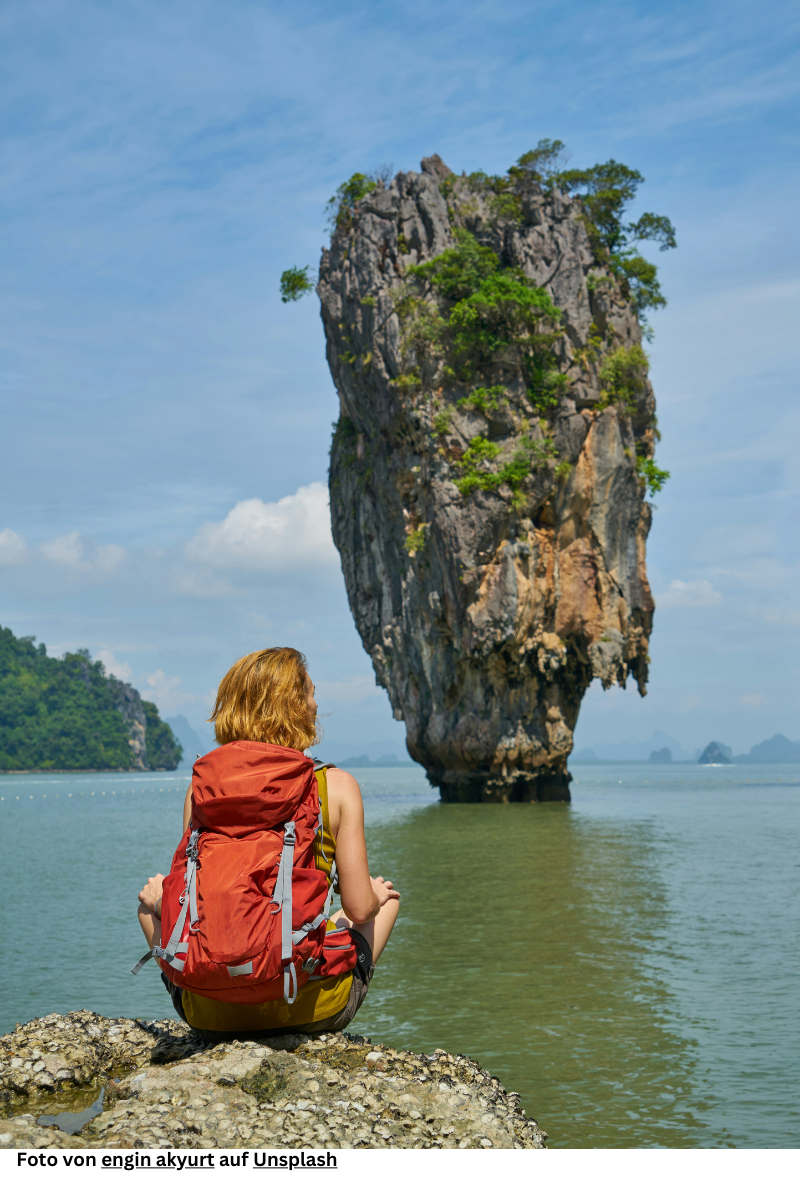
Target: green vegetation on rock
605 191
296 282
650 475
465 312
624 377
484 399
485 310
341 205
441 421
541 164
415 541
476 472
66 714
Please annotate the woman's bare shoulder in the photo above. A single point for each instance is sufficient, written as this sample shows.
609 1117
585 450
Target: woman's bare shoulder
342 782
344 799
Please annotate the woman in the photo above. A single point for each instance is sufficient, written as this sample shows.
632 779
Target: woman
268 698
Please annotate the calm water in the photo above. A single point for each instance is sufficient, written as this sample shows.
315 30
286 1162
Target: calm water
628 963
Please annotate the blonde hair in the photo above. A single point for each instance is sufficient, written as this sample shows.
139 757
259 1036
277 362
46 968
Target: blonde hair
263 699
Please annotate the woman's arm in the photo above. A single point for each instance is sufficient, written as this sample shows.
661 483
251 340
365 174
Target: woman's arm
150 895
362 897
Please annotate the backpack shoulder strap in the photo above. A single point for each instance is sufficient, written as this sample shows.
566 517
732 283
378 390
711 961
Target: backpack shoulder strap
324 844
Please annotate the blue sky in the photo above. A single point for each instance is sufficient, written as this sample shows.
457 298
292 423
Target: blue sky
162 164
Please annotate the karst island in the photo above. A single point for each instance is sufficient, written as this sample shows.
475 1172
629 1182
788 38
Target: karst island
494 451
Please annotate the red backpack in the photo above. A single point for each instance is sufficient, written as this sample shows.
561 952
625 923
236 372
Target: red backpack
245 907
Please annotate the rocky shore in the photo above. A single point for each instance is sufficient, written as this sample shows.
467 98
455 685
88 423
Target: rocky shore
160 1085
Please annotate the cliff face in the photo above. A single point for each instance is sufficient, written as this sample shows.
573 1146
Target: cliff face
486 482
128 703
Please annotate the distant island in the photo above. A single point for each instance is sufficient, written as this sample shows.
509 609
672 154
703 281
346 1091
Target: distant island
660 748
66 714
716 754
777 749
193 744
363 760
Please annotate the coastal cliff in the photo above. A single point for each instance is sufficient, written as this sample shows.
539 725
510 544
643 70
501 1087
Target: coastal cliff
166 1087
66 714
490 464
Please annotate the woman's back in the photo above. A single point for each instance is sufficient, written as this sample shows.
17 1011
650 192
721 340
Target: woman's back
258 807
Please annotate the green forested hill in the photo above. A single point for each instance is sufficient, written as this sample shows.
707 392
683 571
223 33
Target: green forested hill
66 714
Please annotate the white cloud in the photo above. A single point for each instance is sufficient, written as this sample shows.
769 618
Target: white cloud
65 551
121 670
754 699
783 616
12 548
76 553
292 532
166 692
696 593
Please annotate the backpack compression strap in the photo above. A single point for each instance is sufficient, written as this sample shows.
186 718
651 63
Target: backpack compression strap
282 898
310 926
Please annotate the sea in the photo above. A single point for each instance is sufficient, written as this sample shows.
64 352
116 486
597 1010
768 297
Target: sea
628 963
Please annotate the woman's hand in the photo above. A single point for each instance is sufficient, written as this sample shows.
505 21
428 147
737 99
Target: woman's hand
151 892
383 889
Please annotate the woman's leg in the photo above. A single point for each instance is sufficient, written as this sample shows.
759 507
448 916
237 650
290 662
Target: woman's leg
376 931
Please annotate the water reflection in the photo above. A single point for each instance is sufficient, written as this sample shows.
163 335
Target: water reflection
526 941
74 1111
